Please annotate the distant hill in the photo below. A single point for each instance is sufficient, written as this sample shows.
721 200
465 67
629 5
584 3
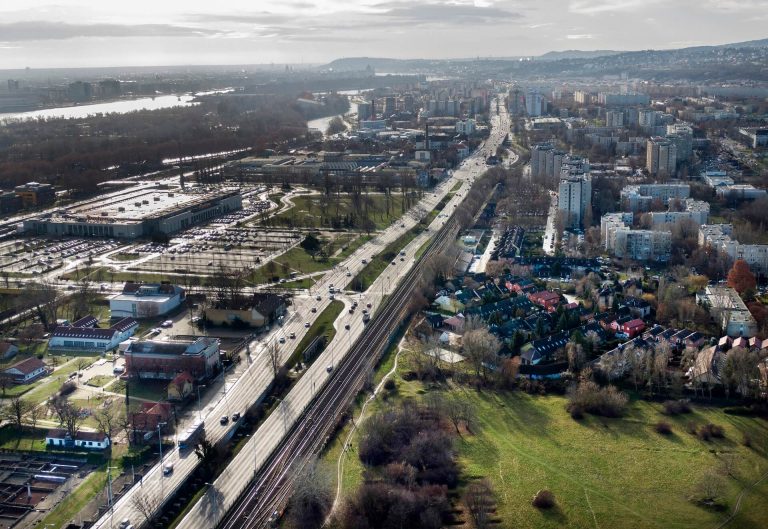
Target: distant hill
379 64
576 54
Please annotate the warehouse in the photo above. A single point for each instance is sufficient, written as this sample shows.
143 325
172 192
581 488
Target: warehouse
140 214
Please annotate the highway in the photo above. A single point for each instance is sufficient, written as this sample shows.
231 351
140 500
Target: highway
242 392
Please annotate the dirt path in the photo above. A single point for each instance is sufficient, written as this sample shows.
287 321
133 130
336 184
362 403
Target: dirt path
355 425
736 507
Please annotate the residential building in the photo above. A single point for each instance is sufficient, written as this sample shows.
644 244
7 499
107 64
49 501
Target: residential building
628 99
695 210
8 350
548 300
146 300
58 438
10 202
756 137
465 126
661 157
533 103
614 118
727 306
681 134
719 237
546 161
84 336
740 192
582 97
149 417
26 371
166 359
181 386
34 194
643 245
259 310
609 223
575 191
640 197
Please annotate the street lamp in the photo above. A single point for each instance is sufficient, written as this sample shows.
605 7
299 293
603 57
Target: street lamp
110 498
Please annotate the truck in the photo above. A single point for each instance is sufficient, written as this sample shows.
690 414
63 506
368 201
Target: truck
189 437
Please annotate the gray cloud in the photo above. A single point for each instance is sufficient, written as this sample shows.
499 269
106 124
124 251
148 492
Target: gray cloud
43 30
431 13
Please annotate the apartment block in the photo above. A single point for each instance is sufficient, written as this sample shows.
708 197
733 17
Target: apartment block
575 190
695 210
661 156
720 238
640 197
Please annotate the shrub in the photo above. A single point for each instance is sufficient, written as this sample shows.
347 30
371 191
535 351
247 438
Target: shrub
711 431
591 398
544 499
677 407
691 428
390 385
747 441
67 388
577 412
664 428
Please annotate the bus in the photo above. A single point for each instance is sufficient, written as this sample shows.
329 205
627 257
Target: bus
189 437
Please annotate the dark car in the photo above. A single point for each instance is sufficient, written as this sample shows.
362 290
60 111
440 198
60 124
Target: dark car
224 420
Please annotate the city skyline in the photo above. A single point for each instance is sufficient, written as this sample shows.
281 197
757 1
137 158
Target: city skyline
71 33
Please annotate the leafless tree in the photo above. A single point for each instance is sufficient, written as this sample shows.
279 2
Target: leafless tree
33 415
15 410
146 504
273 358
480 501
107 420
312 497
576 357
481 348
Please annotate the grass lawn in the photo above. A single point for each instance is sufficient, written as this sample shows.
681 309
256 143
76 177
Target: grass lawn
124 256
50 385
77 499
319 211
28 439
322 325
299 261
605 473
153 390
99 380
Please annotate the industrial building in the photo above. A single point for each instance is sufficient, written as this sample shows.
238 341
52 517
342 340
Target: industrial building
145 300
140 214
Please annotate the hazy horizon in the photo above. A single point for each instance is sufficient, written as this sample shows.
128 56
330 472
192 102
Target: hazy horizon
73 34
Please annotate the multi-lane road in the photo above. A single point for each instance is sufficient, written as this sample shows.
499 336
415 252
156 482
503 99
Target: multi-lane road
251 385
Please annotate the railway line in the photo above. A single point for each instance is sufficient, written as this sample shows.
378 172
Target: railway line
271 488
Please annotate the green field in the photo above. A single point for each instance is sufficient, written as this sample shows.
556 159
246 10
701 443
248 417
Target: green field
320 211
323 325
605 473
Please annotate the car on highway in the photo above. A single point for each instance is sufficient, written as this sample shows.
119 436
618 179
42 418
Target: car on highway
368 305
282 339
224 420
351 310
329 368
393 263
235 416
349 274
168 469
293 336
318 298
125 523
313 309
306 325
365 261
346 326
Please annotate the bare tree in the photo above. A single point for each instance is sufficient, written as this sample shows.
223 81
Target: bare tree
479 498
145 504
576 357
34 414
481 348
14 411
107 420
273 358
458 411
312 497
80 364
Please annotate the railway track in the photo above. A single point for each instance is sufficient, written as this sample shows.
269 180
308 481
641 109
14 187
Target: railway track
271 488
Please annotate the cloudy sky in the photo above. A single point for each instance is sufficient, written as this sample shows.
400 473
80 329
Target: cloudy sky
75 33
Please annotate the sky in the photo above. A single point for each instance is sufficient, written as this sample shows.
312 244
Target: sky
94 33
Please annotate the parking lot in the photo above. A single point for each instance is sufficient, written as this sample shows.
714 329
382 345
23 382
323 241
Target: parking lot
33 256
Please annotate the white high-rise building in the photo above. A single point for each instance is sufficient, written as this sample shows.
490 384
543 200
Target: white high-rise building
575 191
614 118
533 103
661 156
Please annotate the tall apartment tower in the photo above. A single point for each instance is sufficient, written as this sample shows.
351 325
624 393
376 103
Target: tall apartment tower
533 103
575 191
661 156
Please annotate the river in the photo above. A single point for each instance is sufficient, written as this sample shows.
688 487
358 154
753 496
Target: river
122 106
321 124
